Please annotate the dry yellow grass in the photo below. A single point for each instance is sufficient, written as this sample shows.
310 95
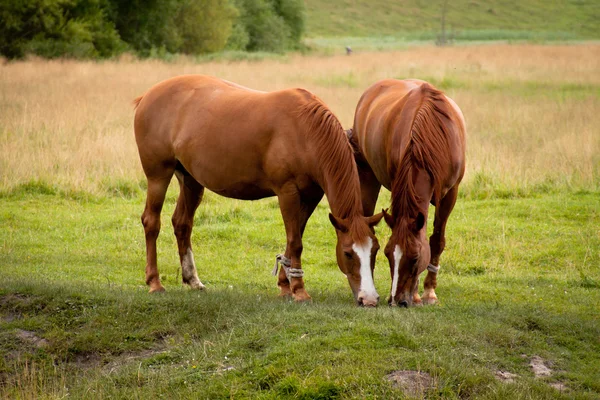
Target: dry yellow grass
532 111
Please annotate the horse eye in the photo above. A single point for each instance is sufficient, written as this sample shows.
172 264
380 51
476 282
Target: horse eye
348 255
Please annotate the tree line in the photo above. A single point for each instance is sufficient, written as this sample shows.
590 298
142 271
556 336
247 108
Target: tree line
105 28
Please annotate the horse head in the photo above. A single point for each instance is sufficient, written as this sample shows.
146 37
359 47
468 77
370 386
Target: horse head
408 254
356 250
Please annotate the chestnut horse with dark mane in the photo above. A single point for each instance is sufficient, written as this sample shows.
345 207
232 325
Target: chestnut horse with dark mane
246 144
410 138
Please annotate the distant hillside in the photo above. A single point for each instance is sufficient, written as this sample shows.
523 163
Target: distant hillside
475 19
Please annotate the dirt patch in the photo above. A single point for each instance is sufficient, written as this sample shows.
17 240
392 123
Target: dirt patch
561 387
127 358
31 338
412 383
87 360
10 317
505 376
539 367
11 298
109 362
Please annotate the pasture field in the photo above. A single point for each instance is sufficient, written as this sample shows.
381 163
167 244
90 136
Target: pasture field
520 276
465 19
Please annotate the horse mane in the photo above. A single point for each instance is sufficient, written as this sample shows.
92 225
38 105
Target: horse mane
428 148
335 154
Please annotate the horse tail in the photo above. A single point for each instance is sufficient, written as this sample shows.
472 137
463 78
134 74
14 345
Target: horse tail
136 101
427 147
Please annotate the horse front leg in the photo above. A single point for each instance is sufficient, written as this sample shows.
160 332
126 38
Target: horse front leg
295 211
437 243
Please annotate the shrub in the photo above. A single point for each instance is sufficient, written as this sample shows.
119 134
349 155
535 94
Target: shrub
205 25
57 28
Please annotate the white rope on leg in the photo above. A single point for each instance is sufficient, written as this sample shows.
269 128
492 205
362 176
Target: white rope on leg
433 268
286 264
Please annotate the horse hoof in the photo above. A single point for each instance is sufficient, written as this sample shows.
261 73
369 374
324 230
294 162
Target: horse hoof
197 285
301 297
285 292
157 289
430 300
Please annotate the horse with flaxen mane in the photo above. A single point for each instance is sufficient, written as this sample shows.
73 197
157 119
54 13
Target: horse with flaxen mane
410 138
246 144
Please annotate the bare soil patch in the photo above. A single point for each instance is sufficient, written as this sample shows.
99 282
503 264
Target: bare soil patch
412 383
505 376
539 367
31 338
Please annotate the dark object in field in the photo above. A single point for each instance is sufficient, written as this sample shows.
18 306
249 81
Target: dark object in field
410 138
246 144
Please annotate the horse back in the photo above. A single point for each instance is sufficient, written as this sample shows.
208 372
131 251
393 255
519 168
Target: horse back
377 116
224 134
384 121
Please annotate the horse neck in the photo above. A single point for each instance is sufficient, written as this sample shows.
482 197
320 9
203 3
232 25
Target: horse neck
412 191
332 159
424 161
342 188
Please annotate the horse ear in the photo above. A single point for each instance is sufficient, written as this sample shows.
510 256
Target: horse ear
389 220
374 220
338 223
419 222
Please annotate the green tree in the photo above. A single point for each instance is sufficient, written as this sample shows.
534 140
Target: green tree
147 24
266 30
205 25
57 28
293 13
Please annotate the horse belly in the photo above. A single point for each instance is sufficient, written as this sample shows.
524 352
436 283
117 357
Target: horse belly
244 191
229 176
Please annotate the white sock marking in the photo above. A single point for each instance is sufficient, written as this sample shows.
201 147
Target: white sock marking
188 265
367 286
188 270
397 257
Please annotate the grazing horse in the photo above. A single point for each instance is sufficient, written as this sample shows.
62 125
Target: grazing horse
410 138
246 144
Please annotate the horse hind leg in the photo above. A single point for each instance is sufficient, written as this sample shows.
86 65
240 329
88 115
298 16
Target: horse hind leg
437 243
190 196
157 188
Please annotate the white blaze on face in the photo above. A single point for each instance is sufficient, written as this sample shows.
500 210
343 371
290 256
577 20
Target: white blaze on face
363 251
397 257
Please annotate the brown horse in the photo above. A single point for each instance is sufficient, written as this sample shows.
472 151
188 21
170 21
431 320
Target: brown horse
410 138
246 144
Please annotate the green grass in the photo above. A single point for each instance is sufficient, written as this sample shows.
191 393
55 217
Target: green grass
381 25
414 17
519 278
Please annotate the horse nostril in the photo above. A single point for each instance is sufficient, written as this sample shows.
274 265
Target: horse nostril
360 301
403 303
370 305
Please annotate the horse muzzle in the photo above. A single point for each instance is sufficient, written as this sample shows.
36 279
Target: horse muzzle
365 300
402 301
